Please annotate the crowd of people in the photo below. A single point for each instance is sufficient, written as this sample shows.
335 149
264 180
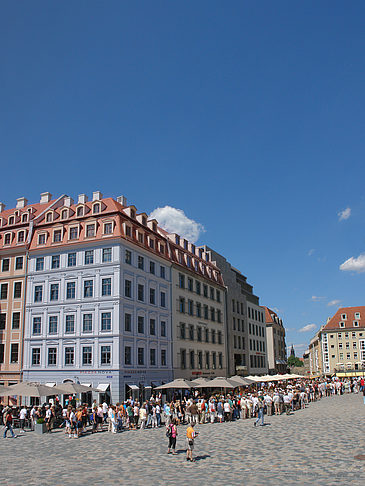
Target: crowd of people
194 407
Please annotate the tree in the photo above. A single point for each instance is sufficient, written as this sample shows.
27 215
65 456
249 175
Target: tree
294 361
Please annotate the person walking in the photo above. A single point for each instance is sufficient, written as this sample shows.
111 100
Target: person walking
22 418
190 438
8 421
260 411
171 433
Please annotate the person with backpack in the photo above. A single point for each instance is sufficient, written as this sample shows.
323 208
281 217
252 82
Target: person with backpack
8 421
171 433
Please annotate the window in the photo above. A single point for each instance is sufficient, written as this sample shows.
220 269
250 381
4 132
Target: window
206 313
64 214
356 323
197 287
128 231
106 287
37 325
88 288
343 317
52 325
74 233
108 228
17 290
153 327
163 328
140 292
357 315
140 262
5 265
219 337
36 356
152 357
152 267
199 333
181 281
90 230
2 321
87 323
105 354
213 336
38 293
152 296
128 322
162 272
200 360
163 357
190 308
220 360
140 353
163 299
54 292
80 211
57 236
128 288
96 208
191 332
24 218
52 356
342 324
14 352
207 335
107 255
39 264
16 320
41 239
212 314
218 295
2 352
198 309
55 262
87 355
70 324
182 305
89 257
70 290
152 243
140 327
207 360
205 290
69 356
127 355
219 317
140 235
106 321
211 293
71 260
128 257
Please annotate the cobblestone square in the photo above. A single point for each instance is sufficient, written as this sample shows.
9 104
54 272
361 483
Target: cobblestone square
317 445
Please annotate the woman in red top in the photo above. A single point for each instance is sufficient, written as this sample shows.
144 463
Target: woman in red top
172 435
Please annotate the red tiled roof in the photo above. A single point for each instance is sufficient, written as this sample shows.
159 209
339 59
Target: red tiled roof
268 313
334 322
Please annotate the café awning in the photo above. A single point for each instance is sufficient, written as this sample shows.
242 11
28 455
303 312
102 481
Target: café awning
102 387
133 387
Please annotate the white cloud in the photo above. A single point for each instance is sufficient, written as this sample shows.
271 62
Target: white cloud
354 264
308 327
333 302
316 298
175 221
311 251
345 214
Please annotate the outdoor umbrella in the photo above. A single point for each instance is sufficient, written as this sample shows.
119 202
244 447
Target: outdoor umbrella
256 379
242 380
219 382
199 381
29 389
71 388
179 383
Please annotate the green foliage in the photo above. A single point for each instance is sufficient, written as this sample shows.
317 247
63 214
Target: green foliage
40 421
294 361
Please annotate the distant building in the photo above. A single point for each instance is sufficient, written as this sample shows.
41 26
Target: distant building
315 355
276 346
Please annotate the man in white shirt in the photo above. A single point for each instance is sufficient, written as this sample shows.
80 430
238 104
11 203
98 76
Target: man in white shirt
22 417
287 403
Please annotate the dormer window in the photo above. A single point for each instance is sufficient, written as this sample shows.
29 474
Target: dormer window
49 218
342 324
7 239
140 237
73 233
108 228
154 227
357 315
80 211
152 243
90 230
144 220
21 235
200 253
64 214
96 208
24 218
128 231
343 317
133 214
177 239
162 248
11 220
188 261
42 239
57 236
356 323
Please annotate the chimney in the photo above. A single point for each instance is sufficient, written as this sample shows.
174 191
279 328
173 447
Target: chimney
82 199
45 197
2 207
21 202
68 201
97 195
122 200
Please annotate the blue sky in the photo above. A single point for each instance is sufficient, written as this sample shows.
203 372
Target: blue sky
248 116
